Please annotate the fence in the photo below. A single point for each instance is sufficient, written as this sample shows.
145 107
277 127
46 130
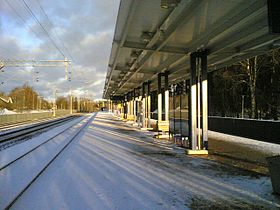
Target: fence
262 130
17 118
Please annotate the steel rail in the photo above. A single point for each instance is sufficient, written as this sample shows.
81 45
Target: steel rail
49 163
12 135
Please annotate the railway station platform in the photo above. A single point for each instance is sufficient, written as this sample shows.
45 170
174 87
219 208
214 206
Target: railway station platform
111 165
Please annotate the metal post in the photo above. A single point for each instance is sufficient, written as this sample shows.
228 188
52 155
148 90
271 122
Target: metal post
198 71
134 109
66 68
127 109
149 110
134 105
144 113
138 110
131 109
54 102
71 102
180 105
204 99
159 99
166 96
193 96
149 104
143 106
174 116
79 104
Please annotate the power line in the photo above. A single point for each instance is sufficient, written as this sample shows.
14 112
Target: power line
46 32
58 37
21 18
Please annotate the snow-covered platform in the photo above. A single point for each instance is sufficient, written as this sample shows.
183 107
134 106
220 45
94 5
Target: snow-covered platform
113 166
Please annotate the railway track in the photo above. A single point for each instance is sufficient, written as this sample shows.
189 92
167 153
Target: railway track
33 162
6 127
23 133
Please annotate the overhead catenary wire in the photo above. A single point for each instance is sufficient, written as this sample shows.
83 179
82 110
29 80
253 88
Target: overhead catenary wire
46 32
58 37
6 78
21 18
26 23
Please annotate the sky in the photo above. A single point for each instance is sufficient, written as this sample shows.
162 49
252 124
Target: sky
79 30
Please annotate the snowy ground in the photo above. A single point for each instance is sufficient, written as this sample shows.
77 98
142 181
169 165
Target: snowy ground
111 166
6 112
242 148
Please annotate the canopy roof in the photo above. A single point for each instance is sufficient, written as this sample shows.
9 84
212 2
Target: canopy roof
150 39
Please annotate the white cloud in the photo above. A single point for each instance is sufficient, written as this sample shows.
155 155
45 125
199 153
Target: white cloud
86 29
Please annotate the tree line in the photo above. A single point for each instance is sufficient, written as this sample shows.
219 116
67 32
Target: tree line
22 99
25 98
249 89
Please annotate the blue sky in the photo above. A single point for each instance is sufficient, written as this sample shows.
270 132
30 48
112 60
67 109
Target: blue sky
82 30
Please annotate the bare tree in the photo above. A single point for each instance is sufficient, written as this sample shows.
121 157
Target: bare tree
275 56
251 68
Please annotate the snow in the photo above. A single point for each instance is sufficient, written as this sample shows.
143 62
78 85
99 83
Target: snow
15 177
39 111
6 112
11 153
272 149
112 166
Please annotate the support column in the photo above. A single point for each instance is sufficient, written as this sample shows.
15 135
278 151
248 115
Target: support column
130 115
139 109
166 96
198 103
122 110
134 110
127 109
149 111
143 107
144 113
204 100
193 105
159 99
163 126
149 104
134 105
131 110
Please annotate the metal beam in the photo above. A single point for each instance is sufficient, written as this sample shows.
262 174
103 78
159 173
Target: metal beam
34 63
132 10
177 15
232 18
125 69
166 49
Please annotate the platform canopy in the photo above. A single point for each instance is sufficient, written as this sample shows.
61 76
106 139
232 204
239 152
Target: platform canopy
153 36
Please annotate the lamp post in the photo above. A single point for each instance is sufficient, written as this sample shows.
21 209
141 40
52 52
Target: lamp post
54 102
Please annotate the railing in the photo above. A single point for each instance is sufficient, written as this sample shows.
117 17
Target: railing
23 117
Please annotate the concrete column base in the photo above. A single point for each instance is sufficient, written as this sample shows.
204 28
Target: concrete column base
162 136
147 129
130 117
196 152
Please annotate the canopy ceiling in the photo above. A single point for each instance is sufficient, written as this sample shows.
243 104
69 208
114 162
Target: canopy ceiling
150 39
